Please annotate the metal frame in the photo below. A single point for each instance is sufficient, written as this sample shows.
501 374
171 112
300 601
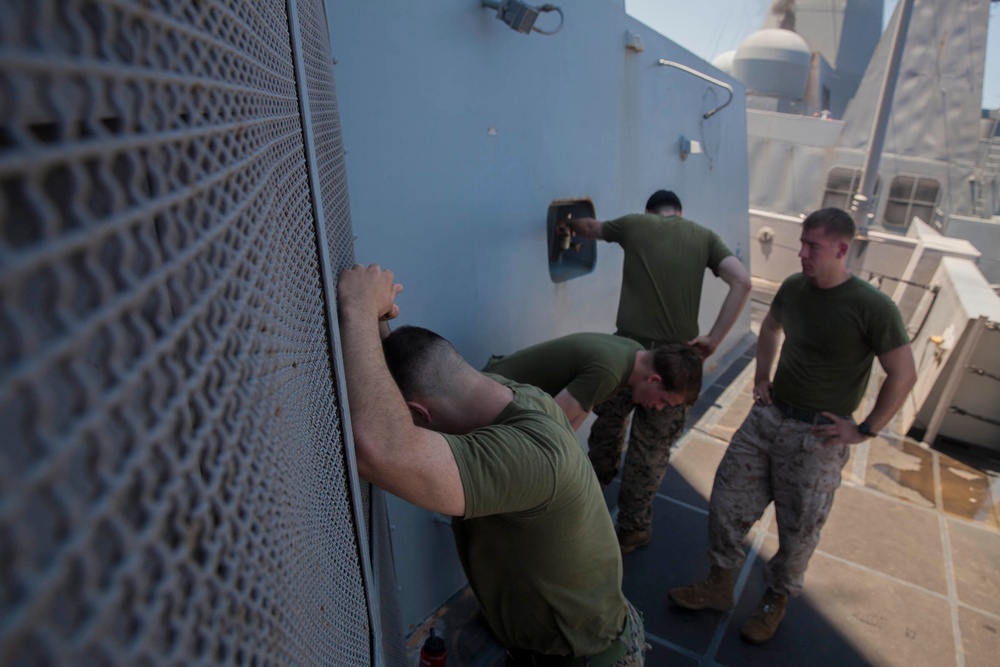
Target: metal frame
329 283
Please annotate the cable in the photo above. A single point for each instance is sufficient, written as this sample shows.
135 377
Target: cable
550 8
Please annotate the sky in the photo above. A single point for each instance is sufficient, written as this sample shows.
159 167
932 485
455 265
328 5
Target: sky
709 27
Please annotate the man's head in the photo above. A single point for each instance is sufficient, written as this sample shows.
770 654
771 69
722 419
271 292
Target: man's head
663 202
669 375
427 369
826 238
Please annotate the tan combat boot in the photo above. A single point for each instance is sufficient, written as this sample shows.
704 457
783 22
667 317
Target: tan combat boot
764 622
716 592
630 541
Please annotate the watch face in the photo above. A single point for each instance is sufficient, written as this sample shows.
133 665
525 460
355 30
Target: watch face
865 429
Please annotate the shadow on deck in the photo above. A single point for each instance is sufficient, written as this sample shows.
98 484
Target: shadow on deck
907 571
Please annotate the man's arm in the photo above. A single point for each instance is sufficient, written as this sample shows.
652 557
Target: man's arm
901 375
392 452
574 411
732 271
588 228
767 351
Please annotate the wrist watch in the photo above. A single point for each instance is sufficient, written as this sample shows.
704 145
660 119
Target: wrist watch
865 429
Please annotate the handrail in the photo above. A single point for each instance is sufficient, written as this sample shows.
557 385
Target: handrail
723 84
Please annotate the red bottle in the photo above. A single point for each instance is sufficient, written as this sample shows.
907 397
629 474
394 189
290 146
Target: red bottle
433 653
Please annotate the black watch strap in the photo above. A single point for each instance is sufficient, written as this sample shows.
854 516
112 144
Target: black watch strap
865 429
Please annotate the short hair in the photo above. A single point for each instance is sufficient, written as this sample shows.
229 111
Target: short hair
421 362
833 221
680 370
663 199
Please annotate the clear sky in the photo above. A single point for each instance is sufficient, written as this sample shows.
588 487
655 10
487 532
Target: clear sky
709 27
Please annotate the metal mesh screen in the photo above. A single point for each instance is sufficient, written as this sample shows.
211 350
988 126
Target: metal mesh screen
173 486
331 174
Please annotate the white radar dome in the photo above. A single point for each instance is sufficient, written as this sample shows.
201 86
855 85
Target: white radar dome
724 61
773 61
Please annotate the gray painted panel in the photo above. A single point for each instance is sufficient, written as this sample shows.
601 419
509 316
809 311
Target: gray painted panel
985 235
938 96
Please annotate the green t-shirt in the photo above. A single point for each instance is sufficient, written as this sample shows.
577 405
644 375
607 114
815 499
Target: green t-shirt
592 367
831 337
665 262
537 543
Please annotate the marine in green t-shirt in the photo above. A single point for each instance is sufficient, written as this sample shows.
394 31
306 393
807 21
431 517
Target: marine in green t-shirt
832 336
794 443
536 541
534 534
666 256
584 369
532 530
665 261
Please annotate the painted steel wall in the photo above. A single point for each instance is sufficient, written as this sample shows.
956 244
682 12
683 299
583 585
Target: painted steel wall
460 132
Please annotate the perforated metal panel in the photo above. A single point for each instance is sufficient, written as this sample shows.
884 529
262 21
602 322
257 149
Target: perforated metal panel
174 487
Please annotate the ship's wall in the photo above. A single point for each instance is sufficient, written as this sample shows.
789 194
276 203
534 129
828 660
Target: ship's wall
961 337
790 158
985 235
460 132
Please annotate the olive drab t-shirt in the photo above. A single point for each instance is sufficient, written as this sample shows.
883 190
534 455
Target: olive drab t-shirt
592 367
831 337
665 262
537 543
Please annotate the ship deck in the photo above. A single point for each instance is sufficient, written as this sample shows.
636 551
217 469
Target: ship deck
907 571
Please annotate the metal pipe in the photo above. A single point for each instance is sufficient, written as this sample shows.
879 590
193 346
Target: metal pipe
865 198
722 84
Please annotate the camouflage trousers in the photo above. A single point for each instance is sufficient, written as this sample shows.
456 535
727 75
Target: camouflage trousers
771 458
636 641
653 432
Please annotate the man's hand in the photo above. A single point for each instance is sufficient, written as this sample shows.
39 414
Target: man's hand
841 431
762 392
703 346
369 289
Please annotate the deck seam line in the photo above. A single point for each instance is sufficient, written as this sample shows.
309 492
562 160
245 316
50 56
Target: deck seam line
949 564
677 648
741 580
933 510
840 559
884 575
683 504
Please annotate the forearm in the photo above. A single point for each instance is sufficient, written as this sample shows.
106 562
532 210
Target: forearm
589 228
767 350
378 412
731 308
888 402
901 375
574 411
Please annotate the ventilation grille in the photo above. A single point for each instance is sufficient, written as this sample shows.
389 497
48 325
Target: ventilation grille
173 486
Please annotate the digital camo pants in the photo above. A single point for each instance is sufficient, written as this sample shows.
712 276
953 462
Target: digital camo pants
653 432
773 458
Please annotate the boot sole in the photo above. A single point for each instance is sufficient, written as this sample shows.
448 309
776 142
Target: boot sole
756 641
696 607
629 548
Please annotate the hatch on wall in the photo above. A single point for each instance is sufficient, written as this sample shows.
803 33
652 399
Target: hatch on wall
569 257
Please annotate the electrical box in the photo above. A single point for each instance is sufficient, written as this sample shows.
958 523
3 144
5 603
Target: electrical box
569 256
